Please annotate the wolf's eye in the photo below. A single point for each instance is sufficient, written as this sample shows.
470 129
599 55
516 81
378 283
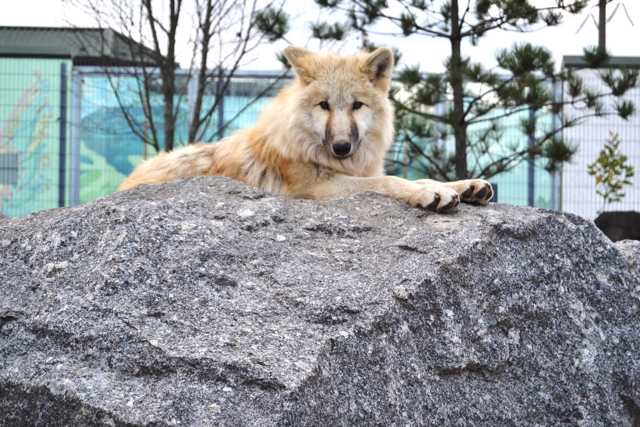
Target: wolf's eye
324 105
357 105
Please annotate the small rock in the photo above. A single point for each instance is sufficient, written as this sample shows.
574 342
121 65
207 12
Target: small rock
53 267
245 213
401 293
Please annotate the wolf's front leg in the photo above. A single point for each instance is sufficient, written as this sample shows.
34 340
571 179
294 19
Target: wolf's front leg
436 197
476 191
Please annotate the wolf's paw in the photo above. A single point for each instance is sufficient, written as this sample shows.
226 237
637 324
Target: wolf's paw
439 200
476 191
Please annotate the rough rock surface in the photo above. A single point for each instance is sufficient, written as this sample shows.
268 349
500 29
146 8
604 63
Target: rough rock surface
631 251
206 303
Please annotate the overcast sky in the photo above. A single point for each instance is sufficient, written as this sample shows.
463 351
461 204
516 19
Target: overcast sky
623 38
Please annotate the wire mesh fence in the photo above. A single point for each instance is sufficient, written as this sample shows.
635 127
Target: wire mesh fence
64 139
526 183
34 134
578 189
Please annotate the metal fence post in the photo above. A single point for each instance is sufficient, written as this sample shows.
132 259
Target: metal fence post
192 92
62 136
556 176
76 129
531 164
220 93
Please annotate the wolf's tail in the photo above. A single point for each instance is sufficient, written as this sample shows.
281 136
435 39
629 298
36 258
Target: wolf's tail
192 160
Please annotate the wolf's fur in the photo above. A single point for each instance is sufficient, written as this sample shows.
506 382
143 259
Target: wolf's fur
298 145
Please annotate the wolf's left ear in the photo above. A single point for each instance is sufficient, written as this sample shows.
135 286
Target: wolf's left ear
379 66
300 60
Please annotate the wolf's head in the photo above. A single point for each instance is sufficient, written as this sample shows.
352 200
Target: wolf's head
339 107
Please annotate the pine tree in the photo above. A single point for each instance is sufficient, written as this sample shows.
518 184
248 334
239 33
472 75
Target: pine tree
611 171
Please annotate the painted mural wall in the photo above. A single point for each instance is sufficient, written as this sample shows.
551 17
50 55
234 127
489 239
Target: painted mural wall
40 121
30 134
110 149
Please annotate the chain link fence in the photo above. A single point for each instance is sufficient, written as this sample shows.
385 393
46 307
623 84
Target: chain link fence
34 132
577 188
64 139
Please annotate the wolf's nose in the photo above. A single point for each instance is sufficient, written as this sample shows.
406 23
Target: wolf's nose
341 148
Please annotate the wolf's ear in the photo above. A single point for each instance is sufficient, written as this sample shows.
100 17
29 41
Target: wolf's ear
378 65
300 60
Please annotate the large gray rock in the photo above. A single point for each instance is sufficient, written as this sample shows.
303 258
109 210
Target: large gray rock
205 302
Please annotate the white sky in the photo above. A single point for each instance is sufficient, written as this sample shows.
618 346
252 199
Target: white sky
623 38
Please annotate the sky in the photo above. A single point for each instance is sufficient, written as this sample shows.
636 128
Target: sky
623 37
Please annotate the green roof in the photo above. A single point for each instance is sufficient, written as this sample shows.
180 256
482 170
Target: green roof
86 46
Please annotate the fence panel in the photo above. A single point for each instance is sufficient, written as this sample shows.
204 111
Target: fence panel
64 139
578 188
34 133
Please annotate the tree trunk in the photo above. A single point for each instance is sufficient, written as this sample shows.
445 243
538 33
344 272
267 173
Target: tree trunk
196 122
168 91
455 80
602 27
169 76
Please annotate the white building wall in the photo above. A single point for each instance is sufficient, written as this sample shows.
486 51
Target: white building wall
578 194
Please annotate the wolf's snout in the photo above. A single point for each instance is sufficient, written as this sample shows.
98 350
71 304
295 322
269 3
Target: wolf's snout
341 149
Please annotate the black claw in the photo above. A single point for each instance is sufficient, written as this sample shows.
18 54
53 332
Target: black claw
482 193
490 196
452 204
434 205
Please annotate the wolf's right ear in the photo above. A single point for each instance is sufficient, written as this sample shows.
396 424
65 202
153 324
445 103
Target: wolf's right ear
300 60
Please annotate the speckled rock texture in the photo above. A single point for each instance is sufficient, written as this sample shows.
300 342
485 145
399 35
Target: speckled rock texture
205 303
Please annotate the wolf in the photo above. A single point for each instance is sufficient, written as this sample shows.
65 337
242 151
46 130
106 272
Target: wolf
323 136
